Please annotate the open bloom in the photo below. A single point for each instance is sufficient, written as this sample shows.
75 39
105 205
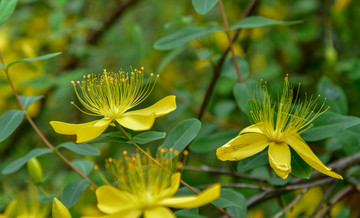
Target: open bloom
144 187
111 95
278 131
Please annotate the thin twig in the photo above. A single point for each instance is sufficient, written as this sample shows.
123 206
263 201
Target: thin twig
326 196
159 164
292 204
227 30
336 198
207 169
217 69
44 139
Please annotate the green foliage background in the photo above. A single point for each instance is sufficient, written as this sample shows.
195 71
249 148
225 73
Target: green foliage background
321 52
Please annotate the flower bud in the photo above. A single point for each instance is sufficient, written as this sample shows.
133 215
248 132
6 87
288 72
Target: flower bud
35 170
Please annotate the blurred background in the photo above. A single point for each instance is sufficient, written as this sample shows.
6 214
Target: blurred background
322 53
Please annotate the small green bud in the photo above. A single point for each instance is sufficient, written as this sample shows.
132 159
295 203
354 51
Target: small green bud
331 55
35 170
59 210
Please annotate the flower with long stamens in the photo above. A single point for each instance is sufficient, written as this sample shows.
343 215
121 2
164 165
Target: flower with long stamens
277 129
111 95
144 187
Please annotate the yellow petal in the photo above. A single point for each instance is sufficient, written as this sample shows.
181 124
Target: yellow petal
303 150
160 108
112 200
159 212
205 197
243 146
280 159
175 183
89 132
59 210
253 128
137 122
68 128
135 213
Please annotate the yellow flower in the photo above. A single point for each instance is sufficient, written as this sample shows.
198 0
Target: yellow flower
278 131
143 187
59 210
111 95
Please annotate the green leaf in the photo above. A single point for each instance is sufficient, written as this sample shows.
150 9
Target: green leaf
242 93
336 97
232 200
212 142
110 137
188 213
347 140
203 6
299 167
9 121
255 161
329 124
7 7
182 134
146 137
28 100
85 166
44 57
167 59
18 163
82 149
182 36
73 191
258 21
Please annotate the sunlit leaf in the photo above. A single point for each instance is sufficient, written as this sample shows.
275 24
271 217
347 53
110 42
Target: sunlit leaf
73 191
44 57
258 21
182 134
28 100
18 163
203 6
82 149
182 36
7 7
9 121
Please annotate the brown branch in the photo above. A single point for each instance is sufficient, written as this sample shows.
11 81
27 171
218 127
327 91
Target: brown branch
217 68
341 194
326 196
292 204
227 29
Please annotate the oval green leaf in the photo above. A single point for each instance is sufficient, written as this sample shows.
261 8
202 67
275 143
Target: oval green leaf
147 137
299 167
73 191
85 166
182 36
17 164
242 94
212 142
7 7
329 124
82 149
9 121
203 6
232 200
44 57
336 97
182 134
259 21
28 100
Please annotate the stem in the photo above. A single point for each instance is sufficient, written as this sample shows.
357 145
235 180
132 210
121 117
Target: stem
341 194
42 136
156 162
227 29
292 204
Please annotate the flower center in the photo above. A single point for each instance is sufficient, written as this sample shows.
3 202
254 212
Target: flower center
112 94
